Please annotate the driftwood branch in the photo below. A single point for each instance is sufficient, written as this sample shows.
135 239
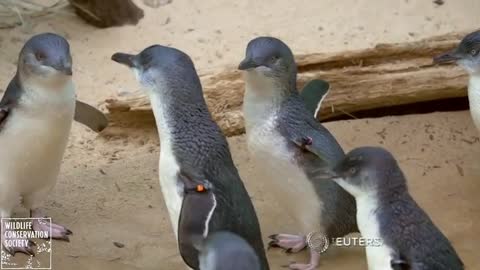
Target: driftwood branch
102 13
387 75
18 12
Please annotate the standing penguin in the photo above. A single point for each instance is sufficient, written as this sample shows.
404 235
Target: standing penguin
388 213
290 145
193 150
36 113
467 55
226 251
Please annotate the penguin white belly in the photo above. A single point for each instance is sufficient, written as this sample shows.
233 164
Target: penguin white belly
474 99
170 186
168 165
32 148
378 257
287 181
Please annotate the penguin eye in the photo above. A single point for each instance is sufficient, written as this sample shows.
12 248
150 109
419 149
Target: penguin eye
274 58
40 56
352 170
473 52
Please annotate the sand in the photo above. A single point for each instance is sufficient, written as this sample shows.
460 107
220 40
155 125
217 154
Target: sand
108 189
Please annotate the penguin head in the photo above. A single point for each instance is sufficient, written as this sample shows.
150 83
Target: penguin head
160 68
367 169
466 54
269 57
45 58
226 251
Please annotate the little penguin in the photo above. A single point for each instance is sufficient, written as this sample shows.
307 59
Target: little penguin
192 150
226 251
467 55
36 114
290 145
407 237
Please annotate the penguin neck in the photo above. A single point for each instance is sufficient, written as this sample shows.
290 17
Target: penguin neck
474 98
175 110
264 95
393 188
57 91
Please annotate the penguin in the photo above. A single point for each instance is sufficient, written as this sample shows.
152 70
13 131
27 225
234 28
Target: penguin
290 144
467 55
192 148
387 213
36 114
224 250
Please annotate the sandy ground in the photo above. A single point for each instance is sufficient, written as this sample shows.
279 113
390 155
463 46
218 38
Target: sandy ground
108 190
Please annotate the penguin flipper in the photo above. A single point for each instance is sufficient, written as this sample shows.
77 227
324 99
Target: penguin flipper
198 206
306 143
313 93
198 242
90 116
308 134
4 110
9 99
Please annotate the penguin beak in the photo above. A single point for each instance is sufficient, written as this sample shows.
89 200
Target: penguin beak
68 71
64 68
248 63
447 57
124 58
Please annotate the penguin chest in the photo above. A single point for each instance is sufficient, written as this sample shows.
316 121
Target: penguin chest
378 257
474 99
283 176
33 143
172 189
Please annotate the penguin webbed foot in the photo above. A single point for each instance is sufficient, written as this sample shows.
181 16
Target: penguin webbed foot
312 265
27 250
26 247
288 242
301 266
59 232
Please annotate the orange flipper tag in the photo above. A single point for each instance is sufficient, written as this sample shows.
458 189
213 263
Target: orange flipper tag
200 188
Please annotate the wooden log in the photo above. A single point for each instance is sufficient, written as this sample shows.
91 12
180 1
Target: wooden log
387 75
108 13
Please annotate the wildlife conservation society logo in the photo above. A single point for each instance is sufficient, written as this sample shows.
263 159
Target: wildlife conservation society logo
319 242
36 245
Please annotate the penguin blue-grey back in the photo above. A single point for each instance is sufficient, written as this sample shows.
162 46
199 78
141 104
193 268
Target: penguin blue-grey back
289 144
387 212
192 147
226 251
467 55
